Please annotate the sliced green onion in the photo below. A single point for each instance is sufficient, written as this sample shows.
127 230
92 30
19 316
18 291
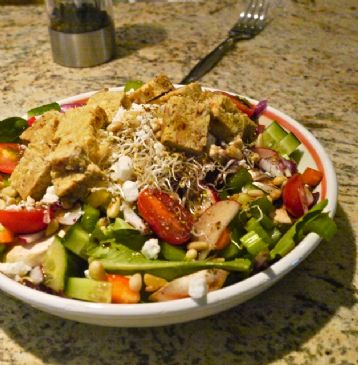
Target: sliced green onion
253 243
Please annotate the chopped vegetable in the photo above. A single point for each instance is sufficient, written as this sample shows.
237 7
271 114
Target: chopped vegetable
121 292
312 177
10 154
6 236
24 220
11 129
165 215
132 85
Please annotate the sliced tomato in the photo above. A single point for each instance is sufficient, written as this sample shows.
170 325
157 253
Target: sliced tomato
294 196
121 292
10 154
312 177
6 236
240 105
24 221
165 216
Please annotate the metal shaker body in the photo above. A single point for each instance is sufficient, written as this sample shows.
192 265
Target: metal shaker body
81 31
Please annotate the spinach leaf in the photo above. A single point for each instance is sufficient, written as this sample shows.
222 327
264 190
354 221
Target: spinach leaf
11 129
43 109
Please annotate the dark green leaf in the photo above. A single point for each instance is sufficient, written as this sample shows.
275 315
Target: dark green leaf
11 129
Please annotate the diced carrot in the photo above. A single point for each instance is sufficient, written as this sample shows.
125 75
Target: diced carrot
6 236
224 240
312 177
121 292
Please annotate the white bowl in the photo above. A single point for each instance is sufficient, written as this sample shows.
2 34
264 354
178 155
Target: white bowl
182 310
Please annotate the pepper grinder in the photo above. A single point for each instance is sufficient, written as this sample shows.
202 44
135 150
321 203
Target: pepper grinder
81 31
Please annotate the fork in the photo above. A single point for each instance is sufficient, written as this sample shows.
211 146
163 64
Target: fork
250 23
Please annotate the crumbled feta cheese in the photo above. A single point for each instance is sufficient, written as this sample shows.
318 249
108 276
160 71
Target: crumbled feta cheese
50 196
142 134
14 268
151 249
31 254
36 275
70 218
130 191
122 169
198 287
132 218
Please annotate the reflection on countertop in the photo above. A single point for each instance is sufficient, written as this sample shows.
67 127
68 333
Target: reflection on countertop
305 64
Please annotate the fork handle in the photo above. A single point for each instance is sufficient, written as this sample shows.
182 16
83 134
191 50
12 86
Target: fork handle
209 61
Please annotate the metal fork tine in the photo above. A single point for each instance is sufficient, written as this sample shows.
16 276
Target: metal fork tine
261 14
251 21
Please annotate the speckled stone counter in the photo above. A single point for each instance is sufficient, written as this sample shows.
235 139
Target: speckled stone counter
304 63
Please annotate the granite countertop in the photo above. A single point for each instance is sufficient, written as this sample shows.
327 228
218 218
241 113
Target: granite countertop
304 63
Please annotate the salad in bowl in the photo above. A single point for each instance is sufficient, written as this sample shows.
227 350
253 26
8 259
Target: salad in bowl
151 193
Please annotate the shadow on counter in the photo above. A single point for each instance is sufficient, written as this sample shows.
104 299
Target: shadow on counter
131 38
268 327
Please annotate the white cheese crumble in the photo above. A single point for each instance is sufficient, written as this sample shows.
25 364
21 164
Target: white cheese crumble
132 218
14 268
198 287
36 275
50 196
122 169
151 249
130 191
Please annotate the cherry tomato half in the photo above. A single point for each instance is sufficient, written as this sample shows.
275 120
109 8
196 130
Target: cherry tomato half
10 154
165 216
23 221
294 196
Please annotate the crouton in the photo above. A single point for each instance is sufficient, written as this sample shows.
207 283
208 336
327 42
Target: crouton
149 91
109 101
186 124
31 176
192 90
227 121
43 130
76 185
76 136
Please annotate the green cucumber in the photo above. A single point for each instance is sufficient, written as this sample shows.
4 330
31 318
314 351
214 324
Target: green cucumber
77 240
273 134
89 290
59 264
55 266
287 145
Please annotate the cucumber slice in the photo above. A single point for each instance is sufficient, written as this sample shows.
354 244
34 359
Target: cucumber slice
89 290
288 144
55 266
77 240
273 134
